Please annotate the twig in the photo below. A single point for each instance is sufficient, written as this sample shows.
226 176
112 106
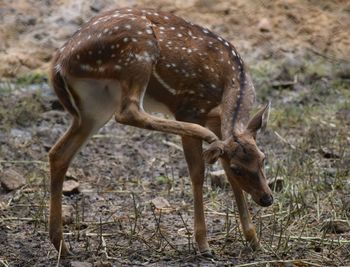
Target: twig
285 84
259 263
188 232
17 219
97 136
212 212
24 161
171 144
328 57
284 140
59 254
136 213
4 262
316 238
158 230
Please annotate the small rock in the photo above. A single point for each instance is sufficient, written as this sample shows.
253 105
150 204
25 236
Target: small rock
218 179
332 172
67 214
12 180
97 5
264 25
65 32
70 187
205 3
3 205
288 264
343 114
160 203
21 137
27 20
80 264
326 153
346 203
336 227
343 71
102 264
276 184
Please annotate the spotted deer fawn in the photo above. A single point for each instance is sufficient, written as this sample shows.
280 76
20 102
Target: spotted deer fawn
130 62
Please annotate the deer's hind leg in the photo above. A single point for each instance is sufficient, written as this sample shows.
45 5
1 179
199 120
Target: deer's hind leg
95 105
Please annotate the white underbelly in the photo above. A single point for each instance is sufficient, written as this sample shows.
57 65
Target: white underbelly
150 105
102 98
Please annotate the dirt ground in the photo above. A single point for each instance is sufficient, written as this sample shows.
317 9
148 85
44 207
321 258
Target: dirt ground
298 53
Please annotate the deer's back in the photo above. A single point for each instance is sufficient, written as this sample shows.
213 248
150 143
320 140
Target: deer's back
186 62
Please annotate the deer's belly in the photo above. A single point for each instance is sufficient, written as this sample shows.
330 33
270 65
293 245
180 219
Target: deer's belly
151 105
97 97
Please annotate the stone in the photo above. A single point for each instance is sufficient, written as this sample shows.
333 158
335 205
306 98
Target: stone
276 184
218 179
11 180
67 214
102 264
346 203
264 25
336 226
80 264
160 203
70 187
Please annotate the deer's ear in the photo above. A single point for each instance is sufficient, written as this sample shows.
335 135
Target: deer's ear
213 152
259 120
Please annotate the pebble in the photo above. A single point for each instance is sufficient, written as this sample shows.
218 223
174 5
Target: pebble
11 180
67 214
70 187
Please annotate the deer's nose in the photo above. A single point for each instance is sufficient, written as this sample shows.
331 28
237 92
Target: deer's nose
266 200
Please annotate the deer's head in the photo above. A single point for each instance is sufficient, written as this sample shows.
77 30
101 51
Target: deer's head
245 159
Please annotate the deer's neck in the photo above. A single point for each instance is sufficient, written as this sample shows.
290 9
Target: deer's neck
236 104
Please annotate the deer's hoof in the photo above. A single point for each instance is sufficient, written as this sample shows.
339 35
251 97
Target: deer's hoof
207 254
61 247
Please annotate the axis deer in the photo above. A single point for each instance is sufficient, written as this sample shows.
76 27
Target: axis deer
129 62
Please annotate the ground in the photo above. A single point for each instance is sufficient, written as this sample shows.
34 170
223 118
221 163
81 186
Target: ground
298 53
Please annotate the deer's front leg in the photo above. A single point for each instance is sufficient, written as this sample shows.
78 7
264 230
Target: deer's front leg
246 222
193 154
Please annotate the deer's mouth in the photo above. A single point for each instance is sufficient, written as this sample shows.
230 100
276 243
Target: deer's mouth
264 200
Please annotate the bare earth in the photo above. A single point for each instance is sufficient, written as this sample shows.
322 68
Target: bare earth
133 206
